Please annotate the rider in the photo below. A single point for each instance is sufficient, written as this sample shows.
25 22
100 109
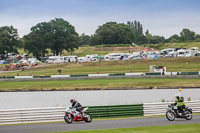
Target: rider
180 102
77 106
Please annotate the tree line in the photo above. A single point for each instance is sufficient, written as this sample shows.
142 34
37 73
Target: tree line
58 35
132 32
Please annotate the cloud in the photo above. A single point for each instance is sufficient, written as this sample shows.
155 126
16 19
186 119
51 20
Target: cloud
161 18
22 24
157 25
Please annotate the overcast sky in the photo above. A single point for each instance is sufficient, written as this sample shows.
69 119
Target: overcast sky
161 17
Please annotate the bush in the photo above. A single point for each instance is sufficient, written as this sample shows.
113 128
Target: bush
189 98
163 100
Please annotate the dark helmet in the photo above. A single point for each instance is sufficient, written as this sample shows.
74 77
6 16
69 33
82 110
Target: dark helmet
72 100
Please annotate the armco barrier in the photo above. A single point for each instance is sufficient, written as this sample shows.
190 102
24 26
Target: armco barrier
117 74
152 73
7 77
174 73
98 75
60 76
108 76
151 109
116 111
18 116
130 74
79 75
23 77
168 73
189 73
42 76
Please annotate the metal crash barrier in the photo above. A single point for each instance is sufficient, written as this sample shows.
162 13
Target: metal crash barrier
53 114
151 109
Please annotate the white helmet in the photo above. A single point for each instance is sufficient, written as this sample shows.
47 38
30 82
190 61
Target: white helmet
177 95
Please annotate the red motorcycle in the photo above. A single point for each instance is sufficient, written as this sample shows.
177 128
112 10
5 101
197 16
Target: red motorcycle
71 114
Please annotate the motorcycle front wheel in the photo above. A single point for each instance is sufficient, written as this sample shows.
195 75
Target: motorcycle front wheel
87 117
170 115
68 119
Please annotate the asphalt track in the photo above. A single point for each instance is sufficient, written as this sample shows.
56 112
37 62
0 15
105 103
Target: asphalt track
99 124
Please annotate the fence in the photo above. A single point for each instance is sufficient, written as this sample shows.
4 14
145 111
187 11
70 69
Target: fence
34 115
151 109
122 75
116 111
18 116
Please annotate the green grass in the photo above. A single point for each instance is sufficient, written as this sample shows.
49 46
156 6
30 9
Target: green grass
188 128
173 65
97 84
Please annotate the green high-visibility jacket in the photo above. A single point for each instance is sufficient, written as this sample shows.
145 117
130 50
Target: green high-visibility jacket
180 101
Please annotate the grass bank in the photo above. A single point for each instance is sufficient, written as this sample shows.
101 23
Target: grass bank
175 45
188 128
122 48
173 65
103 50
96 84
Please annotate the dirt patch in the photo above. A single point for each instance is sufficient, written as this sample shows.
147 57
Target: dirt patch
118 49
112 49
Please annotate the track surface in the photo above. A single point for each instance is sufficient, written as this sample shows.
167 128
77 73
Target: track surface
101 124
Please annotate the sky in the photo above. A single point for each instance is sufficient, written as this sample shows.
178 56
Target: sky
160 17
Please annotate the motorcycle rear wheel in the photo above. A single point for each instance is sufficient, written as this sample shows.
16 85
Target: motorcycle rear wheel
88 117
188 116
68 119
170 115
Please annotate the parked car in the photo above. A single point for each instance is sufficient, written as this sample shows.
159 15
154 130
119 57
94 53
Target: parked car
83 59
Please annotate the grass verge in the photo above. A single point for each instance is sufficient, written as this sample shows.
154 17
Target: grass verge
98 84
175 45
188 128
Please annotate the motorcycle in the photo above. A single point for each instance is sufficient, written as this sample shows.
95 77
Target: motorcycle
173 112
71 114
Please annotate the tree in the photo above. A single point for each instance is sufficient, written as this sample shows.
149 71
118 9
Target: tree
94 40
8 40
139 37
38 40
84 40
153 39
187 35
57 35
63 36
33 43
173 39
197 37
113 33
